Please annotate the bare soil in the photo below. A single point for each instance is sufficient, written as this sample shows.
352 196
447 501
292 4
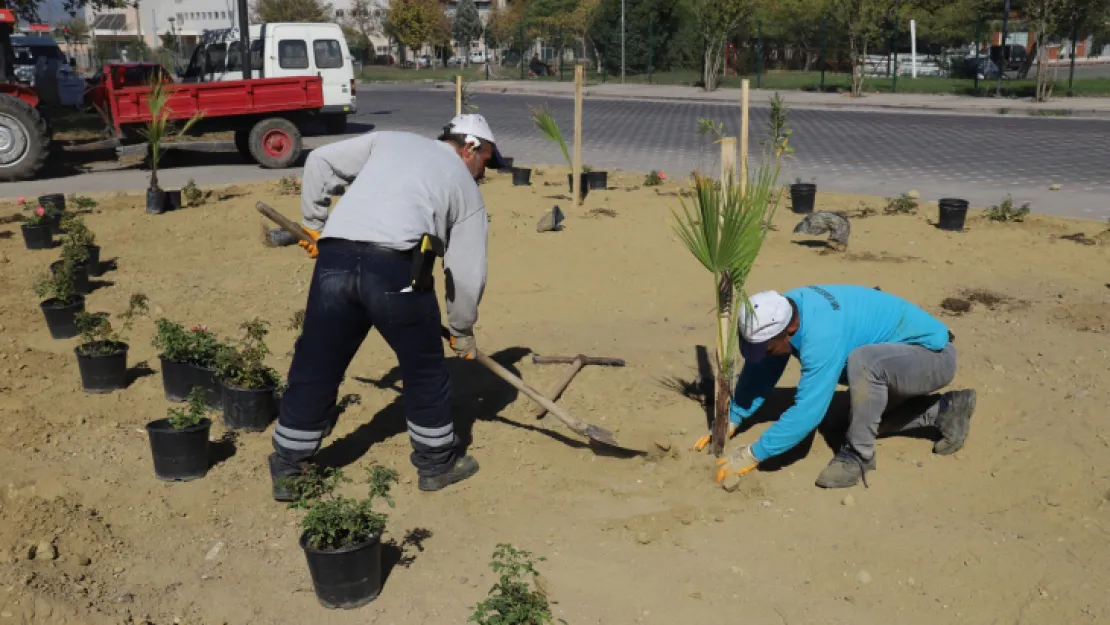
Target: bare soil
1015 528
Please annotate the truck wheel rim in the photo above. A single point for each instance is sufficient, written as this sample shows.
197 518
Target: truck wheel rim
277 143
13 140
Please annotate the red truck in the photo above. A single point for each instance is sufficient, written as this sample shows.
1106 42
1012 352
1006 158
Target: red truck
265 114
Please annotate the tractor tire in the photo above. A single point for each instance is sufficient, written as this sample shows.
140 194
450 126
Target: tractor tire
275 143
335 124
243 144
24 140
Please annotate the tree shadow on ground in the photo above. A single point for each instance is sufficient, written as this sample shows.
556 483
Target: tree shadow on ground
476 393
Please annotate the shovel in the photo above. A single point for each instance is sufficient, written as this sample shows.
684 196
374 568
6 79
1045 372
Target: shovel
591 432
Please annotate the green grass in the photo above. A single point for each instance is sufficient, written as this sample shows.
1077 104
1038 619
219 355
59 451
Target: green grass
784 81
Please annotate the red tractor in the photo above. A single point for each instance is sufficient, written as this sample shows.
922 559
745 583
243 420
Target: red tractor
24 132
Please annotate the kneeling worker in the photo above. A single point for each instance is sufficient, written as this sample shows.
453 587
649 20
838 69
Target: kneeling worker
884 348
408 198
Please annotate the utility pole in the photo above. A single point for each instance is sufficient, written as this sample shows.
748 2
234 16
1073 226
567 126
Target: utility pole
622 42
1002 49
245 38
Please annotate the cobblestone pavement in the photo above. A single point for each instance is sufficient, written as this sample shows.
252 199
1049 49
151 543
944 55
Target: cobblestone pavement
882 153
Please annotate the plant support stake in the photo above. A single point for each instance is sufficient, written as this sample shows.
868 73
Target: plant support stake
576 180
913 49
744 117
458 95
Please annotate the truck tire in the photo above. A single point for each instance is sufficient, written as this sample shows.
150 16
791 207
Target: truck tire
275 143
24 140
243 144
335 124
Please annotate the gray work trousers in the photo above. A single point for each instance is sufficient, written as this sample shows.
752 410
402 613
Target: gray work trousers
889 376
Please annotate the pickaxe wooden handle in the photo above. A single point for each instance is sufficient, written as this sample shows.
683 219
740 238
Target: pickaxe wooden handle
283 221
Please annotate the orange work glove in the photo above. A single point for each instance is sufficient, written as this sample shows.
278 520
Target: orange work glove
310 247
740 461
703 442
464 347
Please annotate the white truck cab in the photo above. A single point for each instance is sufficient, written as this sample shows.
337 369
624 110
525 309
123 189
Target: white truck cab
283 49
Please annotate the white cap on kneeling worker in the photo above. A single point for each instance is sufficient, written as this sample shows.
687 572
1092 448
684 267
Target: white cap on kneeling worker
474 125
769 315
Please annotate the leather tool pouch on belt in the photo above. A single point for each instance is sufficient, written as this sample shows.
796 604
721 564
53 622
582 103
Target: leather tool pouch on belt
424 260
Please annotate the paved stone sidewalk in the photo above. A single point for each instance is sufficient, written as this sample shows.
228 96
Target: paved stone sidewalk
889 102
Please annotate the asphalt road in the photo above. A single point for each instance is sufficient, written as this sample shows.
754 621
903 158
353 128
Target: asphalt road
980 158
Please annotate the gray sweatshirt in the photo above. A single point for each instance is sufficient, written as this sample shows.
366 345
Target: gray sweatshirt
399 186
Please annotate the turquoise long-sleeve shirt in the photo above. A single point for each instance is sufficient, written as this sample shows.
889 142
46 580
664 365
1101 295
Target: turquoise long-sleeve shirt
834 320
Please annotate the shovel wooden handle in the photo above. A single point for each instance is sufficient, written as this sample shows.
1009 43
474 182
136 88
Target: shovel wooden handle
283 221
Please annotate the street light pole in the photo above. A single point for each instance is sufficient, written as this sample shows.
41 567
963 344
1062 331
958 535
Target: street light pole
622 42
1002 49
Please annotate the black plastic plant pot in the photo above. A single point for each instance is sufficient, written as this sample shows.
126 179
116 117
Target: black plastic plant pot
205 377
104 369
179 455
92 264
248 408
802 197
37 237
57 200
80 276
599 180
61 317
155 201
508 162
584 183
173 200
346 578
177 378
522 176
953 213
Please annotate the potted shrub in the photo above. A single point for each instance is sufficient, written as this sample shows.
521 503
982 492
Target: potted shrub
188 360
248 386
60 301
37 229
102 354
549 128
79 236
516 598
342 536
179 443
76 256
159 130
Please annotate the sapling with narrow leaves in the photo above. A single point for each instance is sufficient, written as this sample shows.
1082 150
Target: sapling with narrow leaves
778 128
194 412
549 128
243 365
516 598
98 335
333 521
160 130
1005 212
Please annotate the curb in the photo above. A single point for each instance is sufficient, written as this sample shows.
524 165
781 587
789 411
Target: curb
1010 111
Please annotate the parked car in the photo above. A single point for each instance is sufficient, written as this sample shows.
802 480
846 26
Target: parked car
478 57
1014 54
455 61
281 50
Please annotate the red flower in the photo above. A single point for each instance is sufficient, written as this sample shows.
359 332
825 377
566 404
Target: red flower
40 211
199 328
662 176
21 201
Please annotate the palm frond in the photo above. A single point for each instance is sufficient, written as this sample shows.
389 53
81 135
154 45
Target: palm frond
549 128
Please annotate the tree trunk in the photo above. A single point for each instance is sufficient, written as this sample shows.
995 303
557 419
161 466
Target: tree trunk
725 367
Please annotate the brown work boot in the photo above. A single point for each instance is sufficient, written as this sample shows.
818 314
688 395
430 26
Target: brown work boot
463 468
954 421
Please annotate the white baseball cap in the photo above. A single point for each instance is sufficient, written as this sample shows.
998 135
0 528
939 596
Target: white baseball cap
473 125
769 315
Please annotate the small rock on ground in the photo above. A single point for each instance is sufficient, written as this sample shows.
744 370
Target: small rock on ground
848 500
913 194
46 551
731 483
863 577
1054 187
643 538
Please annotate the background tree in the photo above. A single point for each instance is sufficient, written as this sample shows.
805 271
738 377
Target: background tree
467 26
718 20
412 22
75 30
865 23
656 18
363 21
293 11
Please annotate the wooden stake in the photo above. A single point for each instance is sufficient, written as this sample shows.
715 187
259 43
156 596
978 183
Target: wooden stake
728 161
458 96
744 115
576 170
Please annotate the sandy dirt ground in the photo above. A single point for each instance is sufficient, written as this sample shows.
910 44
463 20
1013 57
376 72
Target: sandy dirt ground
1015 528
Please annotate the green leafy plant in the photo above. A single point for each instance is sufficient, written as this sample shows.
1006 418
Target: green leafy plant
193 195
160 130
654 179
243 365
59 284
195 345
289 185
778 128
901 205
549 128
516 598
711 128
81 202
98 336
73 252
467 93
77 232
1005 212
334 521
194 413
41 215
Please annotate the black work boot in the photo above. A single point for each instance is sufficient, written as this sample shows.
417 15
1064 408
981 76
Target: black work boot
954 421
463 468
846 469
280 470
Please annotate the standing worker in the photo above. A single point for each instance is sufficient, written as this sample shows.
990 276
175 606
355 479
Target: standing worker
409 200
884 348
